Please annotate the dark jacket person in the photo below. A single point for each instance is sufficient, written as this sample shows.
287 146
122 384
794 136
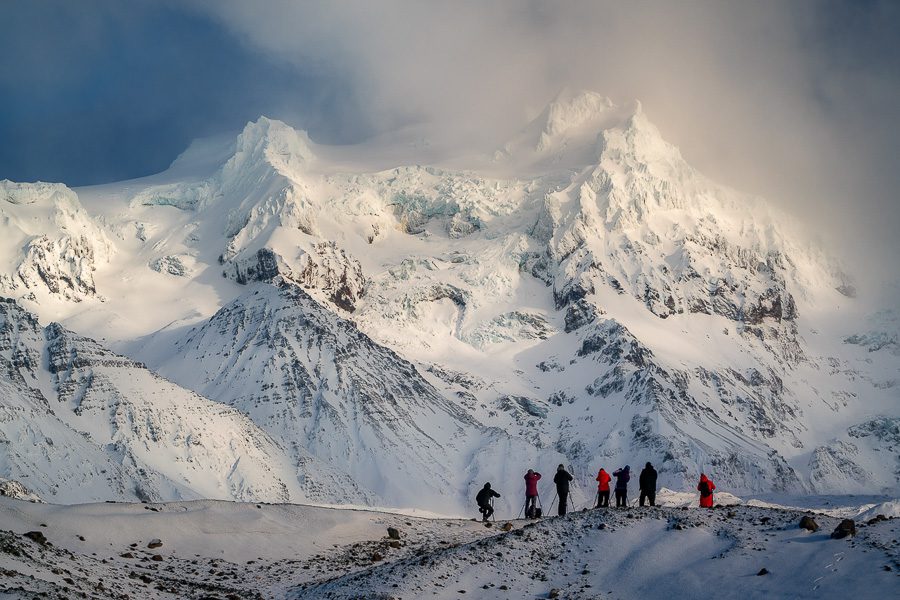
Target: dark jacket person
483 498
562 479
623 476
647 483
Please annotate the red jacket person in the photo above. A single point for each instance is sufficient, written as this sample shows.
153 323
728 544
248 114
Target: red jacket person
706 487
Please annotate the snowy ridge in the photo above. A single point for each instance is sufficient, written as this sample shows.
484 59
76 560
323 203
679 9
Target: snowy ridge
83 424
51 246
584 296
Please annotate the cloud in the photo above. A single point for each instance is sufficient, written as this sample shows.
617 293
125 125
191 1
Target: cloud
793 101
118 91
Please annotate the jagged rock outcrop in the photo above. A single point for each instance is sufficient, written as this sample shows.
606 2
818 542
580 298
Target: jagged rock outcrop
60 244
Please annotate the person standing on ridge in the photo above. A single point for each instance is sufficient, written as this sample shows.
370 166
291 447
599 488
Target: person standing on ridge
531 493
706 488
647 483
483 498
622 477
603 488
562 479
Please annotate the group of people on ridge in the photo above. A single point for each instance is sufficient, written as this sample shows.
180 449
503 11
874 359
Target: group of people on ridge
646 485
561 479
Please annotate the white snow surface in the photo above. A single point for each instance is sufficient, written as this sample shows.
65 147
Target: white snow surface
206 549
338 329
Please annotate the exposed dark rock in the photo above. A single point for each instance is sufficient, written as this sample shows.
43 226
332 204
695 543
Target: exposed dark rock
37 537
579 314
808 523
523 404
847 527
572 292
262 266
847 290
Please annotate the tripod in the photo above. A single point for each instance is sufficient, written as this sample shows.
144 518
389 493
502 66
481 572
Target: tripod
537 504
556 495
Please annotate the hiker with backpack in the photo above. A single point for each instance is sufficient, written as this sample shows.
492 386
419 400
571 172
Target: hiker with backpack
622 477
706 487
531 494
647 484
562 479
603 488
483 498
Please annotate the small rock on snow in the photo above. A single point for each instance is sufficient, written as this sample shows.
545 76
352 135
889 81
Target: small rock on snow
37 536
846 527
809 523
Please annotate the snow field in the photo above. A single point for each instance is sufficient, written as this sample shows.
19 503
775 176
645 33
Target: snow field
215 549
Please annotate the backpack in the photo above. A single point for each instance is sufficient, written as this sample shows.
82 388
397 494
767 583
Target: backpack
704 489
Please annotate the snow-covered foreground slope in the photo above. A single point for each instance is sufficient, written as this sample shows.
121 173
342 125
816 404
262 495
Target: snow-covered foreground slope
208 549
582 295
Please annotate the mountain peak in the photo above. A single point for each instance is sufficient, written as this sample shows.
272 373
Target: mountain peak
568 132
38 192
271 142
571 113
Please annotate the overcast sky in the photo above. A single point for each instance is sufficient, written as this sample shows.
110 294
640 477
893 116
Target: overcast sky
797 101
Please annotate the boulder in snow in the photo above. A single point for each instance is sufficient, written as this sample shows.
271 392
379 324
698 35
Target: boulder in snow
845 528
809 523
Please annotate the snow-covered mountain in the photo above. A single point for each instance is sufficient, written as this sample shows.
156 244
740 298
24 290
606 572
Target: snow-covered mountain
321 387
81 423
582 295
